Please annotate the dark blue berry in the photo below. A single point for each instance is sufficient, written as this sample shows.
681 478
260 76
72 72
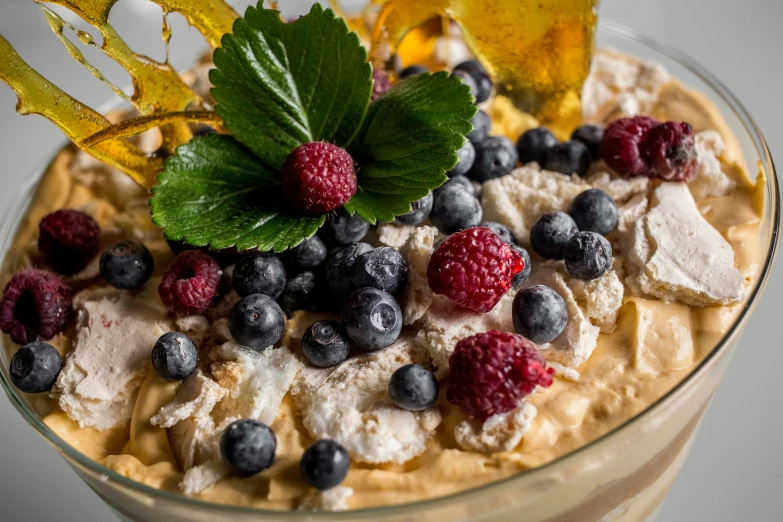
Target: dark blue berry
256 322
481 77
413 70
35 367
471 66
414 388
462 182
481 124
174 356
466 155
325 343
569 157
204 130
594 211
382 268
307 255
588 256
248 447
533 145
539 313
259 273
325 464
591 136
501 230
454 209
522 276
551 233
342 229
420 210
301 292
339 269
372 318
496 156
468 80
126 265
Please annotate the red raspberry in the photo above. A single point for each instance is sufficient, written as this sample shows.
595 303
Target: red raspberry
319 177
474 268
490 373
380 84
35 305
643 146
192 282
68 240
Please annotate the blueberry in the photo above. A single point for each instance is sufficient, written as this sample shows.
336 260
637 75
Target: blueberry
471 66
550 234
259 273
302 292
342 229
35 367
382 268
522 276
420 210
325 343
414 388
307 255
174 356
588 256
248 447
454 209
126 265
496 156
539 313
413 70
462 182
339 268
468 80
480 76
325 464
501 230
204 130
534 144
481 124
256 321
466 155
591 136
569 157
594 211
372 318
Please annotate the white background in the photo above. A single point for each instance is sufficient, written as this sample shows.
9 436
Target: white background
734 471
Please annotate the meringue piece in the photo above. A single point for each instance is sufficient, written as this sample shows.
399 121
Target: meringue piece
335 499
352 407
204 476
499 433
417 252
519 199
564 372
393 235
710 180
196 327
630 195
197 397
114 340
676 255
600 299
445 323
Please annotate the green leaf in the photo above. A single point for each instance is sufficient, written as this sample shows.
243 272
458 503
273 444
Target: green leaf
408 142
214 192
280 85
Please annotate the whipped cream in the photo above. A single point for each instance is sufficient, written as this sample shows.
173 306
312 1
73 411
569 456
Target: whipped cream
111 356
350 405
676 255
499 433
417 252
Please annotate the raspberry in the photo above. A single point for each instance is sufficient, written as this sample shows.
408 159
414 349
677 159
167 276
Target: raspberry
319 177
68 240
643 146
490 373
191 283
473 268
35 305
380 84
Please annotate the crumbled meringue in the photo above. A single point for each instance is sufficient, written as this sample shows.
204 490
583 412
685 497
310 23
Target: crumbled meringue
417 252
710 180
335 499
501 432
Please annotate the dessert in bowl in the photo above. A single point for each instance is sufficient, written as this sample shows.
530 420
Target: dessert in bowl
644 340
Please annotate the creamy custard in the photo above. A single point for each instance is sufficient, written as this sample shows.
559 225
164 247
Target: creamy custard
654 346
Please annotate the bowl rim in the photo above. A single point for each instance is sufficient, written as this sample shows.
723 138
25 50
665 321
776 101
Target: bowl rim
14 212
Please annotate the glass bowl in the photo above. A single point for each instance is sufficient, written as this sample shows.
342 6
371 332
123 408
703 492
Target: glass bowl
623 475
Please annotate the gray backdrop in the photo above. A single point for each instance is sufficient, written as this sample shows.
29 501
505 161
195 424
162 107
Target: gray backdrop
734 471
